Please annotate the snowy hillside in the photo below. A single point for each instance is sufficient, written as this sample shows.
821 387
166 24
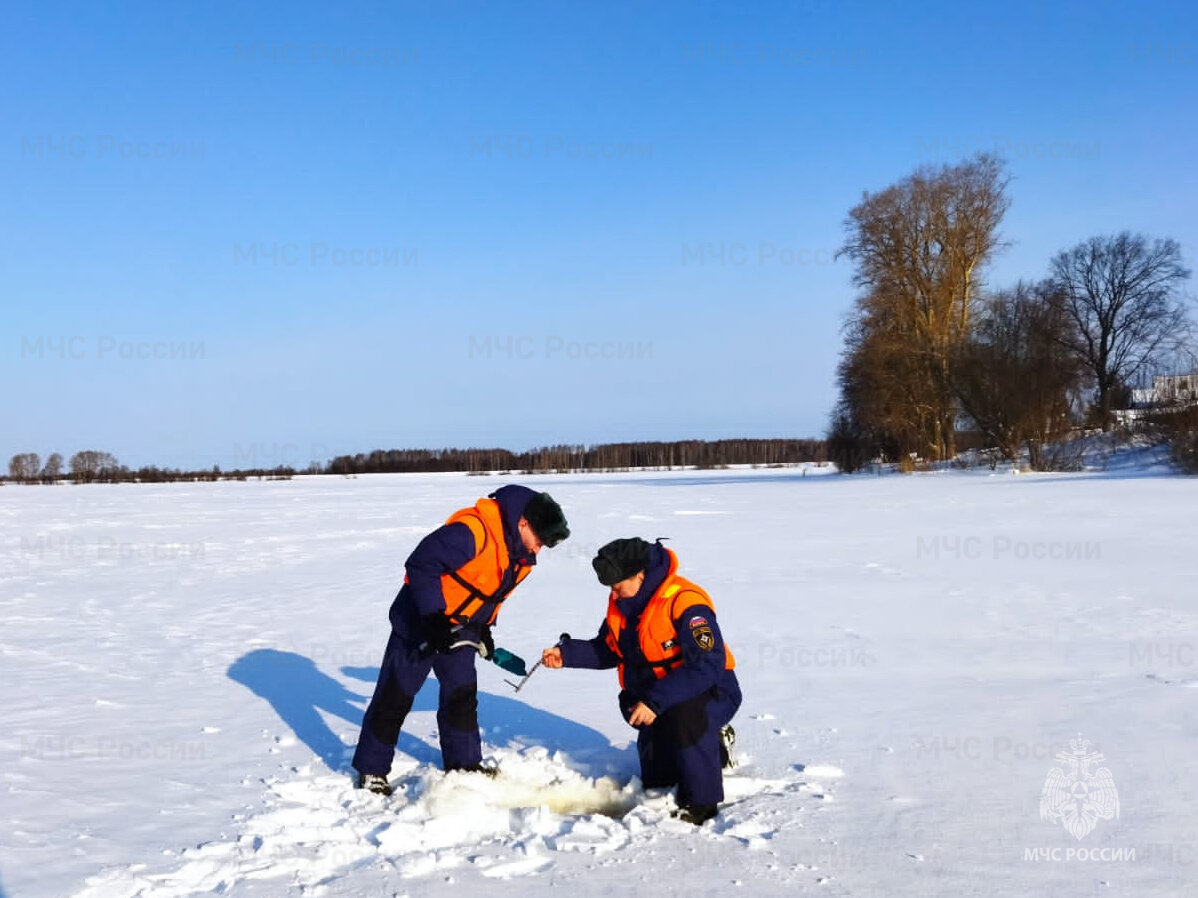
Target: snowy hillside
183 669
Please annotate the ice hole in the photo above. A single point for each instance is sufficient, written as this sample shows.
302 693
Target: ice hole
568 796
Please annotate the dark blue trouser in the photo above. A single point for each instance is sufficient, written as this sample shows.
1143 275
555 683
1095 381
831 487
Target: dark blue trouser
683 745
402 674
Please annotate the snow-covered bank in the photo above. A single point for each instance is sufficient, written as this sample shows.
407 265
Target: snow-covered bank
183 668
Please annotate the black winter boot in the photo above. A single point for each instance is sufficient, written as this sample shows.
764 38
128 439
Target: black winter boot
485 769
727 743
697 814
372 782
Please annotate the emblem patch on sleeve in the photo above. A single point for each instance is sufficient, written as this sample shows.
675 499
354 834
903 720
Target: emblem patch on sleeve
701 633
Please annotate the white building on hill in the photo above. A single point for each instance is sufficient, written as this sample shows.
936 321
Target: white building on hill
1168 390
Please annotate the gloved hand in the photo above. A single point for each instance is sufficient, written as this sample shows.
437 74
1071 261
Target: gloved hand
438 632
488 642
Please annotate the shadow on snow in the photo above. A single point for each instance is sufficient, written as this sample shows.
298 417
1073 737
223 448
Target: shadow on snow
298 691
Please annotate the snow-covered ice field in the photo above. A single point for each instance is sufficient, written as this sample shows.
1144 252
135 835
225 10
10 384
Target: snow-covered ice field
183 669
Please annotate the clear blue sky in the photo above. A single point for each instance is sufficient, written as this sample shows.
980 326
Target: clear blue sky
556 177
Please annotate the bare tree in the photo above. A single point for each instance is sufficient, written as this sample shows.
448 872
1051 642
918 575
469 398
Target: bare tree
888 398
919 247
1015 379
52 472
85 465
24 467
1123 295
90 465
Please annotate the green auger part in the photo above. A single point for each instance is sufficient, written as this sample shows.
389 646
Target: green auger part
513 664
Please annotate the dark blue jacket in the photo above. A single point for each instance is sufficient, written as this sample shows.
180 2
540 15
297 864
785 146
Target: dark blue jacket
448 548
701 669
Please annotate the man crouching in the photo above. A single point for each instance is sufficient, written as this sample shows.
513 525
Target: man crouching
677 684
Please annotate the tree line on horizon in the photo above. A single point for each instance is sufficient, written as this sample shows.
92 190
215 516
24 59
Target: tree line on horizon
604 457
932 351
92 466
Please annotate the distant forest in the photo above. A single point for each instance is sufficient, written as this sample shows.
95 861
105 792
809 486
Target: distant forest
92 466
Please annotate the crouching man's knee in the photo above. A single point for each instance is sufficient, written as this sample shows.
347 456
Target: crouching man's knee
686 723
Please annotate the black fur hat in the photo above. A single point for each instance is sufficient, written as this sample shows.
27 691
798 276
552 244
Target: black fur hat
621 559
546 519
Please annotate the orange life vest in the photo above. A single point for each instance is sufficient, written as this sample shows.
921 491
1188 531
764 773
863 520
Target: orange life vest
478 581
658 635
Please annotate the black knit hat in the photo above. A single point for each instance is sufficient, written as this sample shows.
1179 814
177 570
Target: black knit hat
621 559
546 519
